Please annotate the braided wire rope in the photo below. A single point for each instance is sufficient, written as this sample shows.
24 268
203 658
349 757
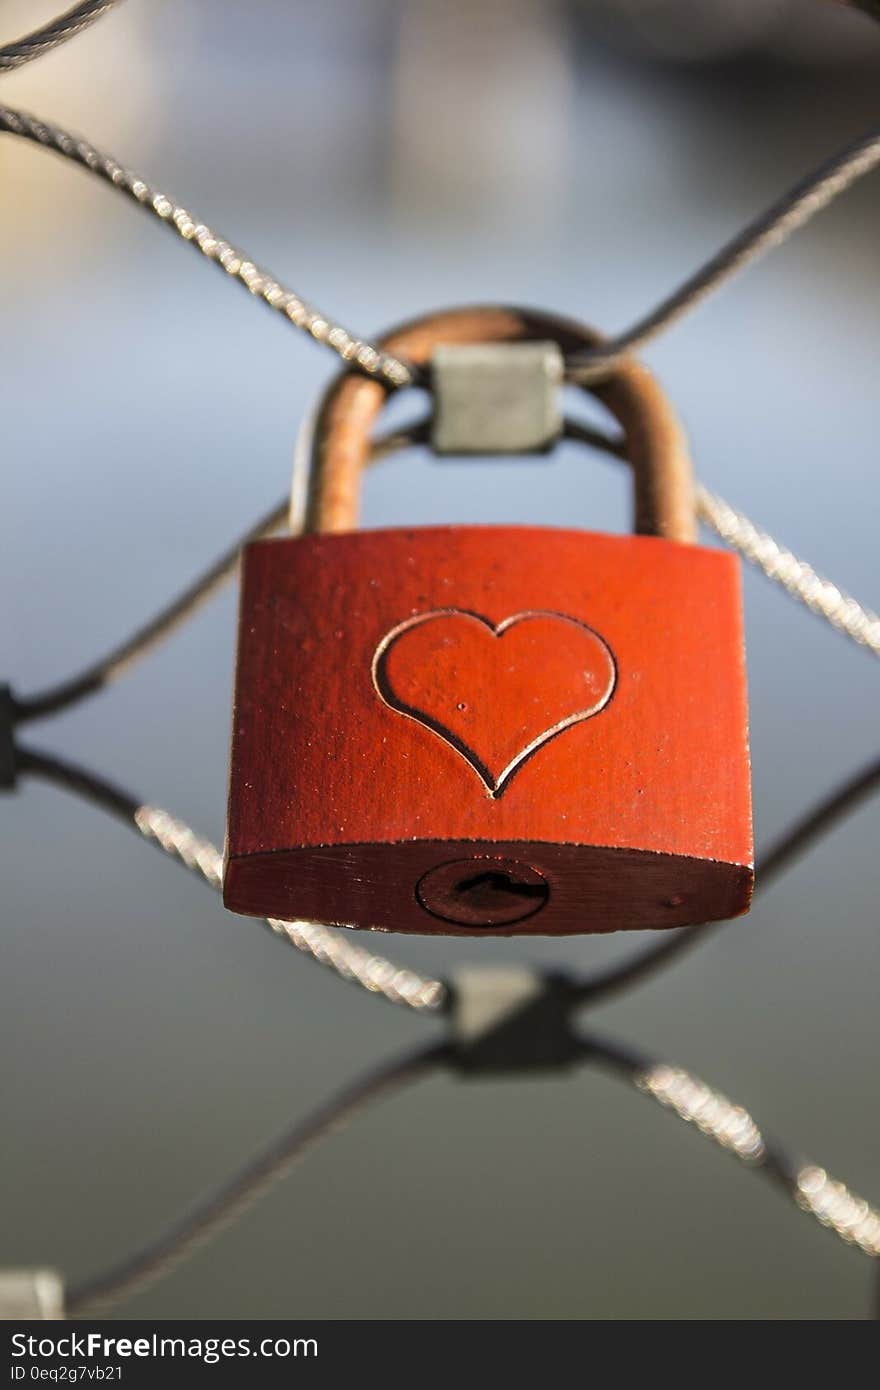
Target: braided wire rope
218 1209
144 639
776 225
816 822
728 1125
260 283
781 565
776 561
324 944
732 1128
809 196
397 984
63 27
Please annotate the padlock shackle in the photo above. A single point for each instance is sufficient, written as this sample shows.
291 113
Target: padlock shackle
335 445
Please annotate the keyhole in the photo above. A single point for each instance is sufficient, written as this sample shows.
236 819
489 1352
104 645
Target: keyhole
483 892
485 887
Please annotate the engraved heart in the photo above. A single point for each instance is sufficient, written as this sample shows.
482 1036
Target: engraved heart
494 693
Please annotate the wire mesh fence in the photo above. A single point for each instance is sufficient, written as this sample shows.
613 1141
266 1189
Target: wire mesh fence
519 1035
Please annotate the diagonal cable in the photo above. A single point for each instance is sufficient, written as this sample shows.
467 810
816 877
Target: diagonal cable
781 565
795 841
809 196
725 1123
260 283
144 639
376 974
778 563
327 945
63 27
733 1129
217 1210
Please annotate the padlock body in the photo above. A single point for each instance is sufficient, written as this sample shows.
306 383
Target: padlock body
472 730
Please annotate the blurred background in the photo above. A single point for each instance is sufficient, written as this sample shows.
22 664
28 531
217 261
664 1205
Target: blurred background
385 158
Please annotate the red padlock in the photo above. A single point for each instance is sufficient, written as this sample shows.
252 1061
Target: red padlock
478 729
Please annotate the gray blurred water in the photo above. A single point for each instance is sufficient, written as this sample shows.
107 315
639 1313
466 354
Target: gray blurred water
384 160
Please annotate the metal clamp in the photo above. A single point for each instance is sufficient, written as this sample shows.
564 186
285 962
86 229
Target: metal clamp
511 1019
31 1295
496 398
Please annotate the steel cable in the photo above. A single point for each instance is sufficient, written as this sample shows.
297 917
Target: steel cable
793 842
397 984
52 35
141 642
776 561
329 946
726 1124
809 196
260 283
733 1129
226 1203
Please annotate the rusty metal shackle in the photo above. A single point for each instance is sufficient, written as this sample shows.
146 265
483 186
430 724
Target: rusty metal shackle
335 444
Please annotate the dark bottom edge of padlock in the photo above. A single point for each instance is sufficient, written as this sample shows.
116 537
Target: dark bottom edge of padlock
459 888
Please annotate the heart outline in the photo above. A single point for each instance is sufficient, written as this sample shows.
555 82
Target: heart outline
495 787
